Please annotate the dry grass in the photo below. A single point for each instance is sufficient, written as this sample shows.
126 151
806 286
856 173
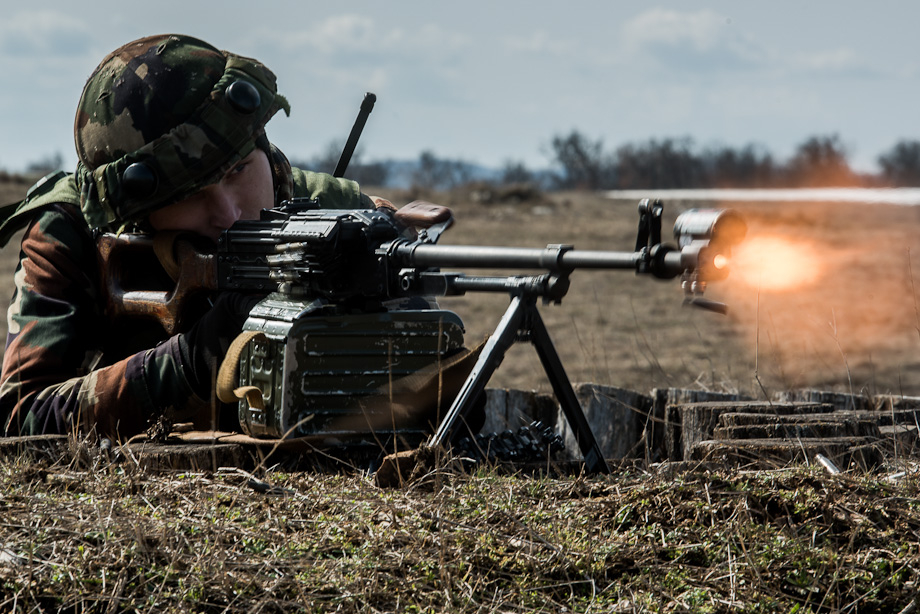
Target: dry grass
83 534
89 536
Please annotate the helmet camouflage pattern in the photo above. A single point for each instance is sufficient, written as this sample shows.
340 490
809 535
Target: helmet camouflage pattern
162 117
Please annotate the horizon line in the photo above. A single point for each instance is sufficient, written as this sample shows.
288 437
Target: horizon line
890 196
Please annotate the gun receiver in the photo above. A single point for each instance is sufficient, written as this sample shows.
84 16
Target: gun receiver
343 255
338 270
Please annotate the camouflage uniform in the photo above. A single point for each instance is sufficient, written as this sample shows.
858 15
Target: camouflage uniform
67 366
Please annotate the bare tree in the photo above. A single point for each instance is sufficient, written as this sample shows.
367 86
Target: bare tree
748 167
821 161
669 163
365 173
583 163
437 173
515 172
901 164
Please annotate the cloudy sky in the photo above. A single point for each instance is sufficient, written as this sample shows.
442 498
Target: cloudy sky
494 81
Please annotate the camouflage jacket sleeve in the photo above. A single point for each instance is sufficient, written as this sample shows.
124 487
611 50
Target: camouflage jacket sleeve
331 192
60 371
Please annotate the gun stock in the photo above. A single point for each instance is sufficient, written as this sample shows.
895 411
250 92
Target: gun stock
154 277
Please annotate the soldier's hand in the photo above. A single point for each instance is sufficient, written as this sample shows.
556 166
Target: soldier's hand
206 343
382 203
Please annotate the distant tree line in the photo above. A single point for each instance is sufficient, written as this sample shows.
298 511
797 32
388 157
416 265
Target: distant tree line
365 173
579 162
901 164
819 161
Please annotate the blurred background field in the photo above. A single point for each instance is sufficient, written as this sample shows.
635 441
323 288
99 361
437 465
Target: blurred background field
821 295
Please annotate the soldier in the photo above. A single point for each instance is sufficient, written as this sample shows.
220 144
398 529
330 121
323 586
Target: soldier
170 135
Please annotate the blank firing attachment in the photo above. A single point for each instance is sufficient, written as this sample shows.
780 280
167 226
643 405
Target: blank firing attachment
707 236
705 239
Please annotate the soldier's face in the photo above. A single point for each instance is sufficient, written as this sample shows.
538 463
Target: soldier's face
241 194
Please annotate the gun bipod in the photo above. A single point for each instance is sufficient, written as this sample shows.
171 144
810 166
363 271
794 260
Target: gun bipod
522 320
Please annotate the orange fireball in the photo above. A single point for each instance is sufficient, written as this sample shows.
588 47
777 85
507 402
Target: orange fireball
776 264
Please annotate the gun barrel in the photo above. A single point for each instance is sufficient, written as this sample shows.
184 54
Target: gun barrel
550 258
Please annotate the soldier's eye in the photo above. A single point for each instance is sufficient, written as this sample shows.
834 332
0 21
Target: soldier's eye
236 170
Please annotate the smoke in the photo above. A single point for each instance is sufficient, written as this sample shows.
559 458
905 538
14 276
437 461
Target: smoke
825 297
777 264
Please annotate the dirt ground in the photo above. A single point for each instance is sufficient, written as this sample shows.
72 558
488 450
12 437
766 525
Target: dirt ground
820 295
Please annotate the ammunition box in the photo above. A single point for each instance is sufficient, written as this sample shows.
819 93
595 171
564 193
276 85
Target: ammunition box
319 372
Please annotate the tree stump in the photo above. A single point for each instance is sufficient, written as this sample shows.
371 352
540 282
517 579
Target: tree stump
616 416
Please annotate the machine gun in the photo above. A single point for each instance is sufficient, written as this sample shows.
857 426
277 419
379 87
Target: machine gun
326 337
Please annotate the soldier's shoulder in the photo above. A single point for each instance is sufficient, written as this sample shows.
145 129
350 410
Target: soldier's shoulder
64 222
56 192
331 192
59 186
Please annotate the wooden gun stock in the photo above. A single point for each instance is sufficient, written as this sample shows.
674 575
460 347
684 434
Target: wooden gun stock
132 264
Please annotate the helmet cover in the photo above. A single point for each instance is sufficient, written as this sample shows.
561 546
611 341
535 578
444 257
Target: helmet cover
162 117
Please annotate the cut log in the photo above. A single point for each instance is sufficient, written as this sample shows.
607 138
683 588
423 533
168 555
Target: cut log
694 422
797 426
617 417
663 435
837 400
512 409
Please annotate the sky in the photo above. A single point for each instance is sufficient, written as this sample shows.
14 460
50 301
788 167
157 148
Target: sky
492 82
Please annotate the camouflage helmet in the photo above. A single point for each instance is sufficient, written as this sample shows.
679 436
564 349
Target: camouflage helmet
162 117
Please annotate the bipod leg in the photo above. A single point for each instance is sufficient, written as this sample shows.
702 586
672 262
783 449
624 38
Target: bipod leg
522 315
492 354
565 394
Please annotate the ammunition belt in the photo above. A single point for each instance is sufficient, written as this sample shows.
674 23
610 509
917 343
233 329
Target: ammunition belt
533 443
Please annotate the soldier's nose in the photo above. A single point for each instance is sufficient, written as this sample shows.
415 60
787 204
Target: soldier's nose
224 209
